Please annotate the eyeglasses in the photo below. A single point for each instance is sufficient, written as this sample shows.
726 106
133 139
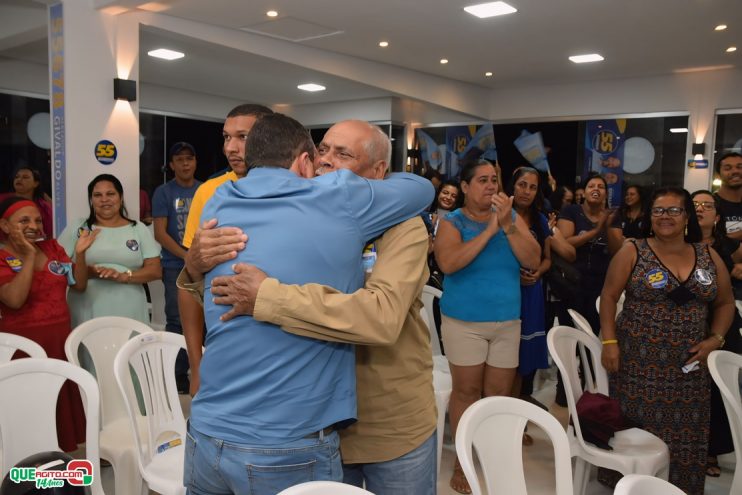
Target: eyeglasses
672 211
707 205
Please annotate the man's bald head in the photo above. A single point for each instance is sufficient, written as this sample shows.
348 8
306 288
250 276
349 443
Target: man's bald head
355 145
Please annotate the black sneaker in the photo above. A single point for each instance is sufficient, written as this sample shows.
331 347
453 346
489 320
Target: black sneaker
183 384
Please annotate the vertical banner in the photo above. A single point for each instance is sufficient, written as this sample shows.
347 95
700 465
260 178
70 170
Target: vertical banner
604 154
56 89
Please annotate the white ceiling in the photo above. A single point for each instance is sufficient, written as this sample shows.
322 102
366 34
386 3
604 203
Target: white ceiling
637 38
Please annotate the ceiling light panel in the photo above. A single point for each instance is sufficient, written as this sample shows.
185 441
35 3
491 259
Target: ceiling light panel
678 130
165 54
583 59
311 87
720 27
490 9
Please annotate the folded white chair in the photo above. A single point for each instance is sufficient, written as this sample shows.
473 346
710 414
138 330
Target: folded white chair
642 484
725 369
28 416
635 451
160 436
494 427
103 338
10 342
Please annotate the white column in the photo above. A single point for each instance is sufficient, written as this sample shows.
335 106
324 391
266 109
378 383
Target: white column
98 47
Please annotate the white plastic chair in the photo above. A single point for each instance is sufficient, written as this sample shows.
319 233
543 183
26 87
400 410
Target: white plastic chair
494 427
28 419
442 384
641 484
725 369
582 324
152 357
324 488
619 304
10 342
429 294
103 338
635 451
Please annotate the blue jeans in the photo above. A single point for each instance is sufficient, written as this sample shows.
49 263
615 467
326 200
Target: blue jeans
215 467
172 316
414 473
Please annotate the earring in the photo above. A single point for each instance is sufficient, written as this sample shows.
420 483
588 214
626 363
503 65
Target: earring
686 229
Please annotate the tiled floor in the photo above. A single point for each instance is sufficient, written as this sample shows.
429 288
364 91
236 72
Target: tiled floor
538 458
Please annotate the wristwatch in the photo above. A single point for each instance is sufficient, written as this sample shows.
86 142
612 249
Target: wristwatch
128 272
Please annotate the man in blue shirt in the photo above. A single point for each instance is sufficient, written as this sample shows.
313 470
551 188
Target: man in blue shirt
170 205
269 401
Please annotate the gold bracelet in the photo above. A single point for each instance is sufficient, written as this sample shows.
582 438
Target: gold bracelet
610 341
720 338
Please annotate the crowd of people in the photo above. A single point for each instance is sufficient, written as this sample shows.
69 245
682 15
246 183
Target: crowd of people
300 302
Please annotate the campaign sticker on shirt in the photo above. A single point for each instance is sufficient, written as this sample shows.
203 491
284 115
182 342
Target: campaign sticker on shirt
656 278
80 231
132 244
57 268
703 277
14 263
180 204
369 257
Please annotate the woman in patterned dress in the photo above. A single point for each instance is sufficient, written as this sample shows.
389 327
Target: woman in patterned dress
673 283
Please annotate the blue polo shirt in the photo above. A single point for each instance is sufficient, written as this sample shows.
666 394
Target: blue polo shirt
260 385
173 201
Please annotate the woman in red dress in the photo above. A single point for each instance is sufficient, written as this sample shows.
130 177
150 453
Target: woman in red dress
34 275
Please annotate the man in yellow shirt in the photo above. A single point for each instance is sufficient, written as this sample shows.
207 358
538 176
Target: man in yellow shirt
237 125
392 447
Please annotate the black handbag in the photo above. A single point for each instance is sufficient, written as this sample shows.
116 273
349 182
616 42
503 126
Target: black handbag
563 278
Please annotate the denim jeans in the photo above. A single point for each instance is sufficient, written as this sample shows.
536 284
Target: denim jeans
172 316
414 473
215 467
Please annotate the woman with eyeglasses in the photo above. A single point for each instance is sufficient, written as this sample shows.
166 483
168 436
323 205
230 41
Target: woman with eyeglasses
714 234
678 309
481 248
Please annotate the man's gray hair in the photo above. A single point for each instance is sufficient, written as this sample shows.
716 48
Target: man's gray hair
379 147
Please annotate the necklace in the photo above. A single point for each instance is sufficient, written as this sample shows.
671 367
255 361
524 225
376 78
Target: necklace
481 217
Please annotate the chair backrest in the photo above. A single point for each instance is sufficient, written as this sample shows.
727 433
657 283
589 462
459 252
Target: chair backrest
581 323
28 424
619 303
324 488
103 337
643 484
725 367
10 342
428 296
494 428
152 357
562 342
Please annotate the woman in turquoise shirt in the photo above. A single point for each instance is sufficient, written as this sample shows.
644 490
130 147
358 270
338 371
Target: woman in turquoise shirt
481 248
124 256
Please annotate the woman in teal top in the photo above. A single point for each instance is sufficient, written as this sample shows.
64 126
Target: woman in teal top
481 248
124 256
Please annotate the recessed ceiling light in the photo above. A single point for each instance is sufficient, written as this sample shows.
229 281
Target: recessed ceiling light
272 13
488 74
165 54
720 27
312 87
731 49
582 59
444 61
678 130
490 9
383 44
